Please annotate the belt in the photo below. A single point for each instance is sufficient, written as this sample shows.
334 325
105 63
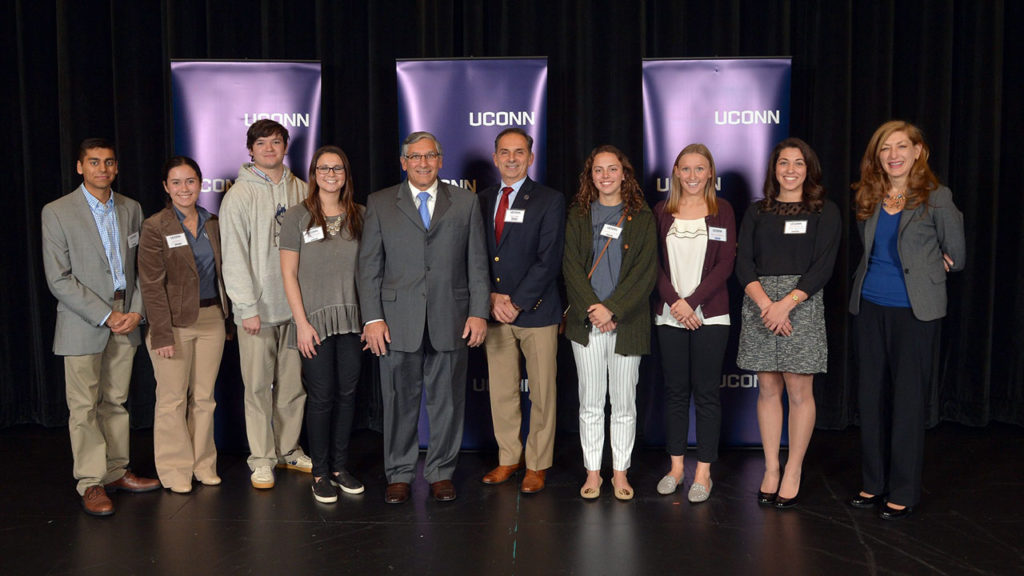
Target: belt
118 295
209 302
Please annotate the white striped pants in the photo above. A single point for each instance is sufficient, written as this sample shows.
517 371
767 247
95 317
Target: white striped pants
602 372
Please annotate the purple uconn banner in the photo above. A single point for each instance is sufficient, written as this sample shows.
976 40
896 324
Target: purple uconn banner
465 104
740 110
215 102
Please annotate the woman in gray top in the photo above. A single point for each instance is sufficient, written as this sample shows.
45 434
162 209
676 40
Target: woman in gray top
319 245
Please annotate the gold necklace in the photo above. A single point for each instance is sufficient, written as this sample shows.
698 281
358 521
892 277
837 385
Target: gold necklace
334 224
894 202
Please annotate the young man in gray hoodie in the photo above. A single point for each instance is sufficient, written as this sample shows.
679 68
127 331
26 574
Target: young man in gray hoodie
250 217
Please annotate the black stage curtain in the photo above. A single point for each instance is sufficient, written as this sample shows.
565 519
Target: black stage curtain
74 69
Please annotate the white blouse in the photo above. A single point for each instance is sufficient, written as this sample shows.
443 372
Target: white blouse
687 242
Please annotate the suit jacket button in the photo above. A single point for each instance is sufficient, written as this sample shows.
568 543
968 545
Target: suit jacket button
496 259
497 280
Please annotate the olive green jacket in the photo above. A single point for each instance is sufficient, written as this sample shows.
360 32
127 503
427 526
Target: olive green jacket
630 302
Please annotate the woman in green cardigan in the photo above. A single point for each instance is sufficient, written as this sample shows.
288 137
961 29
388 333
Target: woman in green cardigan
609 265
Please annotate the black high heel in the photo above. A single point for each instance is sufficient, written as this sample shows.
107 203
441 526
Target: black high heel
767 498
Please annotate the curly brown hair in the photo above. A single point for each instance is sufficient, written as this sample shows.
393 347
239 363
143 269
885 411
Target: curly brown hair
813 194
353 217
874 183
632 196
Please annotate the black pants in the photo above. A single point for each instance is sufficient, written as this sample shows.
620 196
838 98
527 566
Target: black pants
331 378
896 354
692 363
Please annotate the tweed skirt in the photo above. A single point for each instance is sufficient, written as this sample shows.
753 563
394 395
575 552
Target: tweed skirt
805 351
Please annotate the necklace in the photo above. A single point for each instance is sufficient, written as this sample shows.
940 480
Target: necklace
334 224
894 201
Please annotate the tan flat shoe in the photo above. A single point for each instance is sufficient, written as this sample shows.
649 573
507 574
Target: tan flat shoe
591 493
624 493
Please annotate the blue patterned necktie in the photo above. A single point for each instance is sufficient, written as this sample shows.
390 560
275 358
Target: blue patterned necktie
424 209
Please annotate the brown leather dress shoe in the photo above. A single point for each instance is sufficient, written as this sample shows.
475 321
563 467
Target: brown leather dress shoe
132 483
501 474
443 491
533 481
96 503
396 492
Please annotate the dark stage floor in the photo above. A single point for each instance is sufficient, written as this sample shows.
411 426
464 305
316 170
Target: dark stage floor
971 520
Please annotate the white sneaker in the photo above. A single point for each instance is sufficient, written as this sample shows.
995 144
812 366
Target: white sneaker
296 460
262 478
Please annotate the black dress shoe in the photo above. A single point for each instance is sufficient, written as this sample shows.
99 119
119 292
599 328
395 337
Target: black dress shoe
887 513
785 503
859 501
767 498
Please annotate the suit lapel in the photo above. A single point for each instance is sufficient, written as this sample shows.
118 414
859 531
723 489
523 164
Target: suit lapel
87 222
172 226
906 217
441 204
405 205
869 229
522 199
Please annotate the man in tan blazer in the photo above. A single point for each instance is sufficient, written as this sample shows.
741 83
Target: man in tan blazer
90 238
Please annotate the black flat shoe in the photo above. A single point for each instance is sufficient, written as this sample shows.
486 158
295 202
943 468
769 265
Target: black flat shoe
887 513
785 503
767 498
859 501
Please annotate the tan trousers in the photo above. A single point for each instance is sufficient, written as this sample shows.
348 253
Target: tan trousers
183 423
274 397
96 388
540 348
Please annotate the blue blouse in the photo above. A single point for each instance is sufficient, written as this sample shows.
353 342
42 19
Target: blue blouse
884 284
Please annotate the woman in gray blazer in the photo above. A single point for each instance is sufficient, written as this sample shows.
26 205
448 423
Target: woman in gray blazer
913 235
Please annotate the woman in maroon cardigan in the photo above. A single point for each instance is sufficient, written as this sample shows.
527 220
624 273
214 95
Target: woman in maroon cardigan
697 239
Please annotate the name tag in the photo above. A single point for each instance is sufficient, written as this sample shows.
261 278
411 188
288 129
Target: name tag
796 227
133 240
176 240
313 234
717 234
515 216
610 231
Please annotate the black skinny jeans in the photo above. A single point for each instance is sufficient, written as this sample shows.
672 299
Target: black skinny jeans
331 378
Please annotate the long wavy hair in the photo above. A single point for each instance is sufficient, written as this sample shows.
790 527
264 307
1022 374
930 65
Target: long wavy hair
874 182
353 217
813 194
676 188
632 196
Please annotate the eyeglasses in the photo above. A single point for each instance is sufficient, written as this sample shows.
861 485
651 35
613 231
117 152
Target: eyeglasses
334 169
429 157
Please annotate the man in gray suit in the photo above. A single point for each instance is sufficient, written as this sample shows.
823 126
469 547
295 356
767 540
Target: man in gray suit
90 238
424 296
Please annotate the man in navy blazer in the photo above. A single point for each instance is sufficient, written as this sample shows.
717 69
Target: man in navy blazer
524 223
90 239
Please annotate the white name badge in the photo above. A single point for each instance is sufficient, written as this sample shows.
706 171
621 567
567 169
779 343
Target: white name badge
133 240
313 234
610 231
515 216
796 227
176 240
717 234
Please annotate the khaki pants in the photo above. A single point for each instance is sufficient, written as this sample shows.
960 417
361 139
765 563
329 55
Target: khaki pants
274 397
183 424
540 348
96 388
